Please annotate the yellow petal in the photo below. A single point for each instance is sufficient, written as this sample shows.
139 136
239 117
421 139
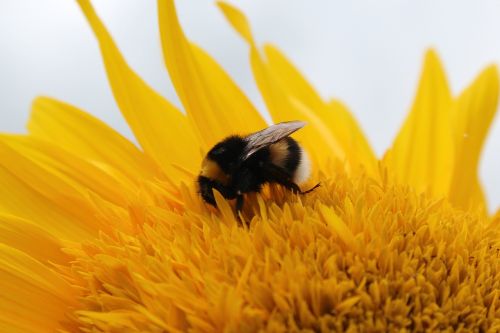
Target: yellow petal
289 76
235 106
214 103
87 137
23 201
422 153
473 114
34 298
34 192
237 20
334 114
350 135
83 174
161 129
282 105
30 239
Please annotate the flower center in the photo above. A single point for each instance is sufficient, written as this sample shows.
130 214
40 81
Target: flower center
353 254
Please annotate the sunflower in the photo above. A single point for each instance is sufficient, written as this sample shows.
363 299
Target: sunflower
97 234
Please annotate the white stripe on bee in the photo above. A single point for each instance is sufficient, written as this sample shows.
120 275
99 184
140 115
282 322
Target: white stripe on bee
303 169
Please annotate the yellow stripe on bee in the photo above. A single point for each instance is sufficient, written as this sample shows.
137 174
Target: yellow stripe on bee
212 170
279 153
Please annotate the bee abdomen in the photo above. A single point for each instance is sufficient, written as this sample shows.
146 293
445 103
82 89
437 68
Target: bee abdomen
289 155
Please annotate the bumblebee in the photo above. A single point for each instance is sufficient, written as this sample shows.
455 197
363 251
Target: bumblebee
242 164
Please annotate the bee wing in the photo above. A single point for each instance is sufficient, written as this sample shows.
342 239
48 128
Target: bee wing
270 135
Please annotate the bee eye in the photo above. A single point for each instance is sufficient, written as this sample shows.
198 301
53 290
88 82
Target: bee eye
219 151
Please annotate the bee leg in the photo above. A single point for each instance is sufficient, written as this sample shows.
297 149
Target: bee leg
292 186
296 189
281 176
311 189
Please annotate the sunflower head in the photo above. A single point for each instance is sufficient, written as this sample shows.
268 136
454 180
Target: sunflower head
99 235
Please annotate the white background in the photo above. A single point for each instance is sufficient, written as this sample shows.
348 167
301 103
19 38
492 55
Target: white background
367 53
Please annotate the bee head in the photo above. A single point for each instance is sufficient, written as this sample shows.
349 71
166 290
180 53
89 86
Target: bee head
218 166
227 153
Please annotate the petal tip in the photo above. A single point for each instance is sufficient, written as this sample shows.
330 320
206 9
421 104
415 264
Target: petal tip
432 58
492 72
237 19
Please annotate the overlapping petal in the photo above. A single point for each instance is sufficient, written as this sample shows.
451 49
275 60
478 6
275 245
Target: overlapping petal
33 189
289 96
472 115
422 154
280 104
29 238
34 298
88 137
95 237
82 173
334 114
161 129
438 148
215 105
